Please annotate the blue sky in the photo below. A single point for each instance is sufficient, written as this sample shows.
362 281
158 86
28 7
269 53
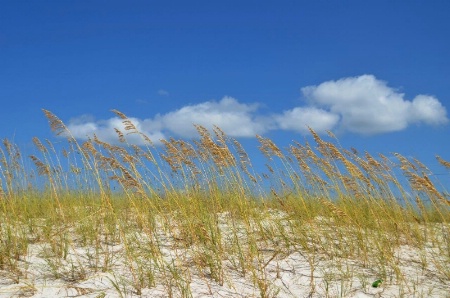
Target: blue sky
376 73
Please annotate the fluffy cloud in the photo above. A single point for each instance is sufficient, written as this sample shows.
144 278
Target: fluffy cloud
299 119
234 118
367 105
362 105
427 109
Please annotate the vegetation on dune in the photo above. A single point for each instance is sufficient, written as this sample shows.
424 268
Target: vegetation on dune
198 209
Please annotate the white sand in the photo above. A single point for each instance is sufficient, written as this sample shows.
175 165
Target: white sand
292 274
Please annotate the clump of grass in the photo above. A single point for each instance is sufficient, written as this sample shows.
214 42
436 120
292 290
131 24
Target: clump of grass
190 212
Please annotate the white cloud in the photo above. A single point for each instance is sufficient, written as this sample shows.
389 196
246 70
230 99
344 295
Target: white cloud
427 109
363 105
234 118
367 105
299 119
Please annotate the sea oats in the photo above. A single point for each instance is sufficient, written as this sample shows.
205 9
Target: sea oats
443 162
128 125
39 145
120 135
120 114
56 125
219 153
89 148
405 164
372 161
43 169
268 147
336 210
333 151
8 146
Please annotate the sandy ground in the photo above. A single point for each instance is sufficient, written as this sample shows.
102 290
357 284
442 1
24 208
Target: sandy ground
291 274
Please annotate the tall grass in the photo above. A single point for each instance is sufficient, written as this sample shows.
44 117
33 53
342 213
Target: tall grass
197 213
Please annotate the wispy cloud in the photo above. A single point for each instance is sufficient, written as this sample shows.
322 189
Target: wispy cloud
163 92
362 105
141 101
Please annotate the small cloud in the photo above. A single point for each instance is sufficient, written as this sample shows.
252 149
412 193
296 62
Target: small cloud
299 119
141 101
83 128
163 92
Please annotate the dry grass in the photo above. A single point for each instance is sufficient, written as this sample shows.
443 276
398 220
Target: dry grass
195 216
